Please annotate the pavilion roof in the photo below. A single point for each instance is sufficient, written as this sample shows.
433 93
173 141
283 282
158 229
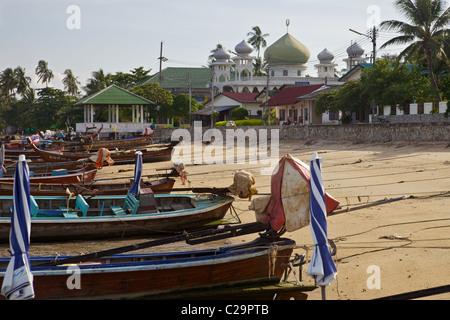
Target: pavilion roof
114 95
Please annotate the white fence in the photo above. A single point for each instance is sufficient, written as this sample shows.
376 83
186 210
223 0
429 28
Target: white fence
414 109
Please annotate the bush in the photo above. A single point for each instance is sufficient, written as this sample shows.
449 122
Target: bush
239 114
243 123
221 124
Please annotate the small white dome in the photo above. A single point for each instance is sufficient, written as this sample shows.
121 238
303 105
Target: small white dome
244 48
325 56
355 50
222 55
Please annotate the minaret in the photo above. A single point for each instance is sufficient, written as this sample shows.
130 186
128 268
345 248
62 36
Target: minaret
243 61
325 68
355 56
222 66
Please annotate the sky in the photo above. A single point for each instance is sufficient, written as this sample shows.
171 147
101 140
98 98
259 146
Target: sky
120 35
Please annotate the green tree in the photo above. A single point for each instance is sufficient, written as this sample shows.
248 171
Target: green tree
70 82
128 80
162 99
181 106
98 82
259 67
8 83
47 110
257 39
44 73
23 82
426 32
392 85
348 99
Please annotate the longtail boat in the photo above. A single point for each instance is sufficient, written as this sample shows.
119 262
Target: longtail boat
56 218
41 166
157 275
57 177
89 188
94 145
120 157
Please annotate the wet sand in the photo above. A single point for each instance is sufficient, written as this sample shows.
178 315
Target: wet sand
407 241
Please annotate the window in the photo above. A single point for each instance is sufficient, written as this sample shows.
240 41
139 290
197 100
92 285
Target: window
272 73
285 73
282 115
334 116
299 73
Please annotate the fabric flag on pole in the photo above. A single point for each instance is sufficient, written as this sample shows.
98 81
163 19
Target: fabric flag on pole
322 267
290 196
35 139
18 280
2 160
137 174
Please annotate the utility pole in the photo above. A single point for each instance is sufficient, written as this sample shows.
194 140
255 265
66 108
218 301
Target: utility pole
266 107
212 99
161 60
372 36
190 97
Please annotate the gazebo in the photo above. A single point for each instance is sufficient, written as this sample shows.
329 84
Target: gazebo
113 98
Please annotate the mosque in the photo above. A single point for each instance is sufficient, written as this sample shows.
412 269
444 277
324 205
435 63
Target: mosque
287 59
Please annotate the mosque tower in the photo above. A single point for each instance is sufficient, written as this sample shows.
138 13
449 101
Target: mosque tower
355 56
243 61
222 66
325 68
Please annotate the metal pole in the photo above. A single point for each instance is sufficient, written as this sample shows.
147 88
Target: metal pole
266 107
212 100
190 98
160 62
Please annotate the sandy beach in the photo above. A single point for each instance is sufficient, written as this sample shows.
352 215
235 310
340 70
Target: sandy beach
405 243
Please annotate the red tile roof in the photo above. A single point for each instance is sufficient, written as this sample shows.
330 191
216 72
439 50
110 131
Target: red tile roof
289 94
241 96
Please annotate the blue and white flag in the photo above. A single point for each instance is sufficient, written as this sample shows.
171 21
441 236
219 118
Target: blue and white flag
137 174
18 280
321 267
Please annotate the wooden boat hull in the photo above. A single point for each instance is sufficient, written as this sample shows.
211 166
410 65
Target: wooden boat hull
70 178
57 228
88 189
148 155
150 275
108 144
42 166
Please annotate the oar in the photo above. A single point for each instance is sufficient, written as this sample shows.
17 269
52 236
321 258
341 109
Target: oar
198 236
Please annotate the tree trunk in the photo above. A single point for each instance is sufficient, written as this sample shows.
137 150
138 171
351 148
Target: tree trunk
431 75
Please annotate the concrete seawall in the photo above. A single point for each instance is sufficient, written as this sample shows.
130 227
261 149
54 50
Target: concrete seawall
395 132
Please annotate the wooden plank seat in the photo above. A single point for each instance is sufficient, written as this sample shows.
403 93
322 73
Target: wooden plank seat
36 212
34 208
131 206
80 205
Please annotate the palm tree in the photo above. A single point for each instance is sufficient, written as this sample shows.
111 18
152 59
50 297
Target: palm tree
44 73
23 82
70 82
257 39
259 67
426 33
99 81
8 82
